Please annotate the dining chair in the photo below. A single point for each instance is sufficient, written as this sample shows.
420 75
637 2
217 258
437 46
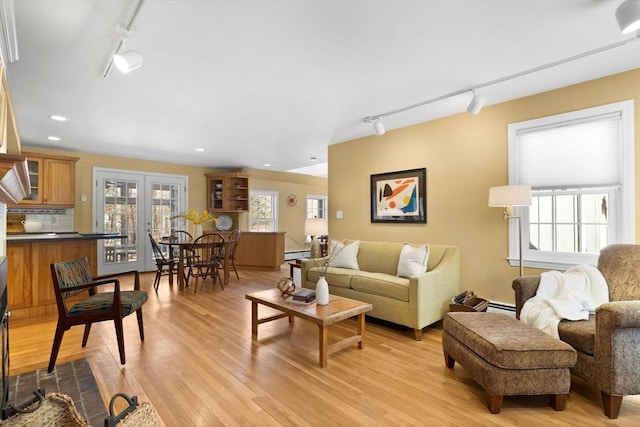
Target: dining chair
72 278
232 243
186 253
164 265
205 260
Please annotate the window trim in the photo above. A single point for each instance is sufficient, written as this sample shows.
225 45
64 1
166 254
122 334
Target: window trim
623 227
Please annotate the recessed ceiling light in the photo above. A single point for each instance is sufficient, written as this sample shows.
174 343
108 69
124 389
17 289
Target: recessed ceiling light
53 138
267 165
200 150
59 118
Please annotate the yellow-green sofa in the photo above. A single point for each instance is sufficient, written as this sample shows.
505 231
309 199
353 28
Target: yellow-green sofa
415 302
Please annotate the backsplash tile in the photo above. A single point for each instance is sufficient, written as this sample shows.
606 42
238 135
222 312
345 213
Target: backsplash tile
53 220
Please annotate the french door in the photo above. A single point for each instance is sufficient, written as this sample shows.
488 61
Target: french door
134 204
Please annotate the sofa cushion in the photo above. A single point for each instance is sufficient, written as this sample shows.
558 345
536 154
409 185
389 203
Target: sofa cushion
344 256
381 284
340 277
413 261
379 257
579 334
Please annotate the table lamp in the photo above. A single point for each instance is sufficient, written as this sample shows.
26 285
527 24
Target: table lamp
315 227
507 197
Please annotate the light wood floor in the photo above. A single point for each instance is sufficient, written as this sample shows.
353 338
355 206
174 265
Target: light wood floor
199 366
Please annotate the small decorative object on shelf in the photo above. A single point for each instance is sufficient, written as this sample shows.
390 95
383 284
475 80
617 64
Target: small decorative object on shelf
224 223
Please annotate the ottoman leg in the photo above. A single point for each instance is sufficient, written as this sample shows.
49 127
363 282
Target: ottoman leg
494 403
448 360
557 401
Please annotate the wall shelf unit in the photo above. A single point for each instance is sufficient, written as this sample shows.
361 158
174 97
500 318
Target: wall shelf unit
227 192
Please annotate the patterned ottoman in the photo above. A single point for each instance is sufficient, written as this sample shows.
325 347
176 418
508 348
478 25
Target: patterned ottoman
507 357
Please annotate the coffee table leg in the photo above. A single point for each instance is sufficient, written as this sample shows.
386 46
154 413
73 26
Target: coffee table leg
361 330
323 334
254 318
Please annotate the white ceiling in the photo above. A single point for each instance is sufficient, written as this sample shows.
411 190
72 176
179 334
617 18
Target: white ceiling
255 82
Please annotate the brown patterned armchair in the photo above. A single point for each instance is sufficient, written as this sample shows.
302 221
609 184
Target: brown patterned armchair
608 344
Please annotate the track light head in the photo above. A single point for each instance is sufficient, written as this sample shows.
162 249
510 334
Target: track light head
628 16
476 104
128 61
378 127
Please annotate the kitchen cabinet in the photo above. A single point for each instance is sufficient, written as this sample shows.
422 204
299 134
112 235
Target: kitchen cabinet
227 192
30 286
52 180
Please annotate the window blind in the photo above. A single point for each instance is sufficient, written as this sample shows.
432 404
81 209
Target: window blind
574 154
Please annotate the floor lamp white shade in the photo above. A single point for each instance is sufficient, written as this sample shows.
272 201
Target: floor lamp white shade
507 197
316 227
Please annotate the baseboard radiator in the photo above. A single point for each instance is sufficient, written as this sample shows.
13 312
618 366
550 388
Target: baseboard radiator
500 307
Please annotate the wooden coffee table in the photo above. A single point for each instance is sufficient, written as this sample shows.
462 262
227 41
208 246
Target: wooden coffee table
338 309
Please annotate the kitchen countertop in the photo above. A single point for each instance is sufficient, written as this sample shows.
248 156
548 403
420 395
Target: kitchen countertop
43 236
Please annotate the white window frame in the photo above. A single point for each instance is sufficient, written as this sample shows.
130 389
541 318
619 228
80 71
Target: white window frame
274 196
316 197
622 202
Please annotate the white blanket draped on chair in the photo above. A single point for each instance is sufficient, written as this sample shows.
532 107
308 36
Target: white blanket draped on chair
570 295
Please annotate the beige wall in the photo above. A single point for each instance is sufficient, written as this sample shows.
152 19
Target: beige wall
464 156
290 218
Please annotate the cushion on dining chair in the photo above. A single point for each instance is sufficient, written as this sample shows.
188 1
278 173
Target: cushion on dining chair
73 273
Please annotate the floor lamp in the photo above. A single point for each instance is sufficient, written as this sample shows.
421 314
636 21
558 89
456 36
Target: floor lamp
507 197
315 227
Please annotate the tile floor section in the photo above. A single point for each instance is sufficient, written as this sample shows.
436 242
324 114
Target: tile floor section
74 379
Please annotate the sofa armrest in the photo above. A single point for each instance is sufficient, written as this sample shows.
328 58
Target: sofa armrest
525 287
434 289
618 314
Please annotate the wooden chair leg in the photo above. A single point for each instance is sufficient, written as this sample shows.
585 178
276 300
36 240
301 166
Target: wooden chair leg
611 404
171 268
57 341
156 281
120 337
494 403
85 336
448 360
233 265
558 401
140 323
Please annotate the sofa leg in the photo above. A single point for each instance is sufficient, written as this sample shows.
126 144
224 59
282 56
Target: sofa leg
448 360
611 404
417 334
558 401
494 403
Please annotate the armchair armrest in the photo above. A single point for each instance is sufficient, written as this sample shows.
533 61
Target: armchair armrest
618 314
136 280
525 287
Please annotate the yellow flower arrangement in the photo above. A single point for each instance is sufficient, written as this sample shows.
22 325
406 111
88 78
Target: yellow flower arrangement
197 217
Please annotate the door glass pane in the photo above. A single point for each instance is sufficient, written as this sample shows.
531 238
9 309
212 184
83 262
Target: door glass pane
165 205
120 216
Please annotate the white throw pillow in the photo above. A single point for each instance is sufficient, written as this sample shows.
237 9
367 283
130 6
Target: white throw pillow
413 261
345 256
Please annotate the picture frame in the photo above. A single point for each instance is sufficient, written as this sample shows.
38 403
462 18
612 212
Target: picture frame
399 197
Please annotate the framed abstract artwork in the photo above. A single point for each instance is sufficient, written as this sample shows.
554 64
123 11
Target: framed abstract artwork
399 196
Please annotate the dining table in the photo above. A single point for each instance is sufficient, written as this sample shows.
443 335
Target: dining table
184 244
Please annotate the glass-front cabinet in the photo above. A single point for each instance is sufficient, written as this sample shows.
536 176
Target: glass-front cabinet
227 192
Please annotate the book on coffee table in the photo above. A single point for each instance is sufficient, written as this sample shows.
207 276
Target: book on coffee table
303 295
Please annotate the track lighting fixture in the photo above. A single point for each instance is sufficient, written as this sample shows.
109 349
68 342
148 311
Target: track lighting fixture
476 104
379 127
631 19
128 61
628 16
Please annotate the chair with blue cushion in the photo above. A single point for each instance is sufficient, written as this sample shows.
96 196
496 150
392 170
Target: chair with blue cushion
71 278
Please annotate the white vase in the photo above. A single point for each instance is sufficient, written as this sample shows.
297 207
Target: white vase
197 231
322 291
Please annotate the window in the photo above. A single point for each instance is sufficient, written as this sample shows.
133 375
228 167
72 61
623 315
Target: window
580 168
263 211
316 206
